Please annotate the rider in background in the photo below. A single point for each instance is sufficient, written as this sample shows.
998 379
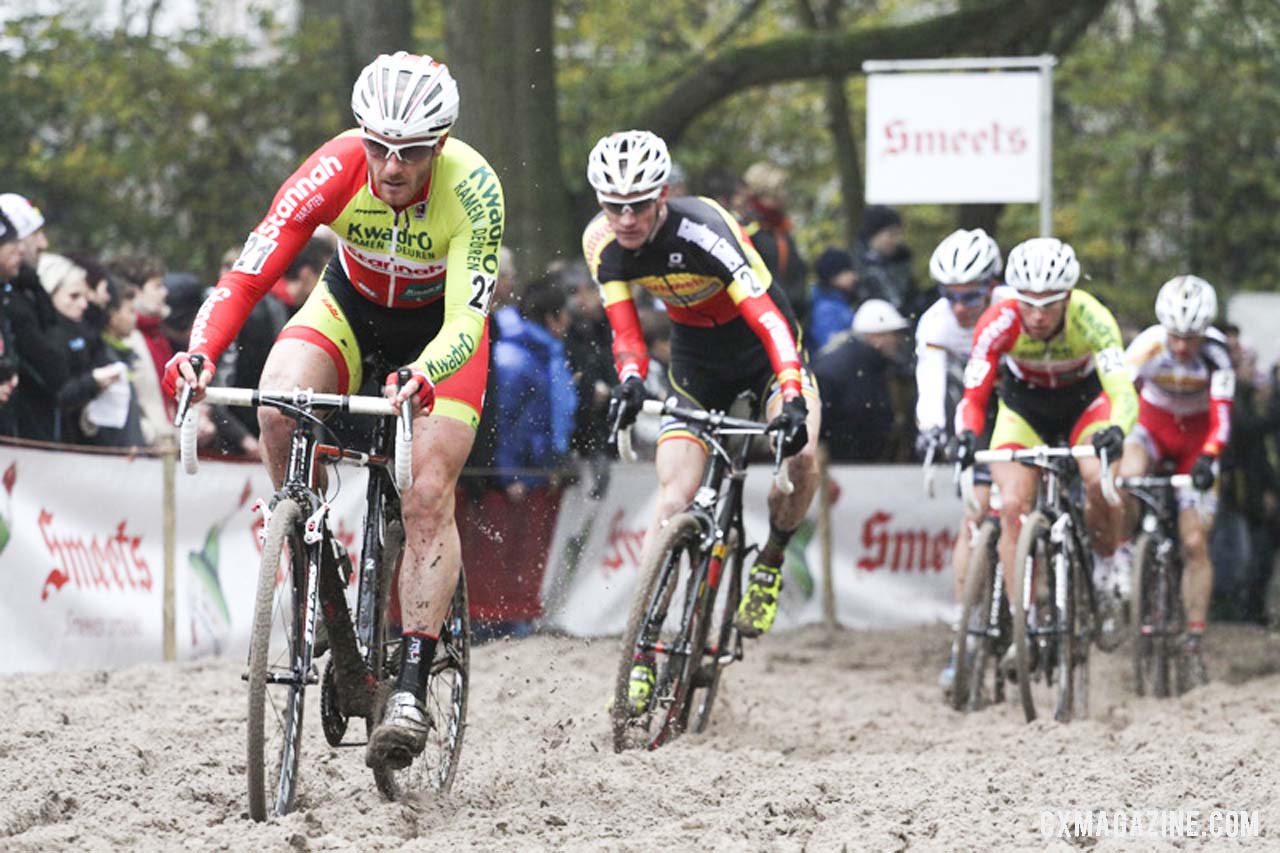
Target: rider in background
1058 357
731 331
419 219
1186 382
967 267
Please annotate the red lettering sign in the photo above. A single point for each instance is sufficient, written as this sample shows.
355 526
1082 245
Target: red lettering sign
903 549
996 138
109 564
624 545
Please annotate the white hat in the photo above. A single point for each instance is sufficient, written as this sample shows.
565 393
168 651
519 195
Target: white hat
56 270
25 216
876 315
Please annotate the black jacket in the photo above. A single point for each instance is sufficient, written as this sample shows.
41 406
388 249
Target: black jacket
42 365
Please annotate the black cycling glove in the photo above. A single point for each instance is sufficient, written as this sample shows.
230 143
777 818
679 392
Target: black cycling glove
1110 440
626 401
790 426
932 437
966 446
1202 474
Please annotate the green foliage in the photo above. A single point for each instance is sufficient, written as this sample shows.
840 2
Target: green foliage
168 145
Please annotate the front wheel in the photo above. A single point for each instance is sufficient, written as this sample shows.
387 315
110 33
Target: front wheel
658 632
1150 610
975 648
447 689
728 642
1031 604
277 656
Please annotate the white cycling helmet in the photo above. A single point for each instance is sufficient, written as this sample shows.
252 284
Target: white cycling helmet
405 96
965 257
1042 265
1186 305
631 165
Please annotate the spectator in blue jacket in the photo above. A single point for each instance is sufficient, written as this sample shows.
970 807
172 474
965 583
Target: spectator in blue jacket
832 296
536 398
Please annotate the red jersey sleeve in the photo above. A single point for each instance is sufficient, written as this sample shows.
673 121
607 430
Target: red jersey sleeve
314 194
763 316
994 335
1222 388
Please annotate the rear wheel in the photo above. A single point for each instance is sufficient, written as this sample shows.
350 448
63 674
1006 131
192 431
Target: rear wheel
974 646
277 679
1032 610
662 620
446 701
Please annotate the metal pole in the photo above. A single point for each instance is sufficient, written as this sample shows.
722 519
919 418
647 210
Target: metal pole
1046 146
170 540
824 541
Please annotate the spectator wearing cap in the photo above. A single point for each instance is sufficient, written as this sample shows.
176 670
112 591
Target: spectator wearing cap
883 261
30 318
833 295
763 205
853 371
87 375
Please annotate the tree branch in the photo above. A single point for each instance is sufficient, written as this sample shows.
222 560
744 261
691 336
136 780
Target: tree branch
995 28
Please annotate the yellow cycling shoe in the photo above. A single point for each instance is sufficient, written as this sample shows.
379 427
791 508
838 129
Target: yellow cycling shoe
759 606
640 687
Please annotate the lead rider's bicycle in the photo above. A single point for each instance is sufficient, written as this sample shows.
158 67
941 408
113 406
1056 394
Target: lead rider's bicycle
695 563
303 574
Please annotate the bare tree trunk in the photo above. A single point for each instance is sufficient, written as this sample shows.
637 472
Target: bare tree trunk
840 126
509 114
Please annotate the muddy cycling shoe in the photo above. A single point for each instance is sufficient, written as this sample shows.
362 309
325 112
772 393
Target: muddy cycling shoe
759 606
640 688
947 678
1192 672
402 734
1113 620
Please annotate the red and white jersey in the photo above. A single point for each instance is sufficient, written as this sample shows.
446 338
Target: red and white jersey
941 344
1186 388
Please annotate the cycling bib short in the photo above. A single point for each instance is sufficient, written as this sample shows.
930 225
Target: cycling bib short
356 333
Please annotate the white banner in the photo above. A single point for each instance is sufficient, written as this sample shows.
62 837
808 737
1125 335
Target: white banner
82 557
954 137
891 551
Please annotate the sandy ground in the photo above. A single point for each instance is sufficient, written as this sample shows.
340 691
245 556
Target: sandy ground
822 742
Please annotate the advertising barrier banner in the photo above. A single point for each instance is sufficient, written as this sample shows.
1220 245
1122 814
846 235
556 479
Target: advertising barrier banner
891 550
82 557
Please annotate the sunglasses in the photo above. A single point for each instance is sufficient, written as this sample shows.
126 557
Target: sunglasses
1043 302
968 298
618 208
409 153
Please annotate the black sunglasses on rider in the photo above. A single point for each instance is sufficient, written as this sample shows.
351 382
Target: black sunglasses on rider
617 208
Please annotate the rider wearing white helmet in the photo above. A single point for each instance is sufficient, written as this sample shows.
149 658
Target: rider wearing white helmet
967 267
732 330
1187 386
419 218
1057 356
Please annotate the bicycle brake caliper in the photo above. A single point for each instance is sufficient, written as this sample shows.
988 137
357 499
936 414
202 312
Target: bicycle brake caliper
313 530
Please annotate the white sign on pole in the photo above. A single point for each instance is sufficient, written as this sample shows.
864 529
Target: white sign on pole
954 137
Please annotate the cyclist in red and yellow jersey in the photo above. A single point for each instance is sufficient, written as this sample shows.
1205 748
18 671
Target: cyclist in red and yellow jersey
731 332
419 219
1059 358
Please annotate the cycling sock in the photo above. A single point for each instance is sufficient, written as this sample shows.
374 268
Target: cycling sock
774 550
1195 629
415 664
